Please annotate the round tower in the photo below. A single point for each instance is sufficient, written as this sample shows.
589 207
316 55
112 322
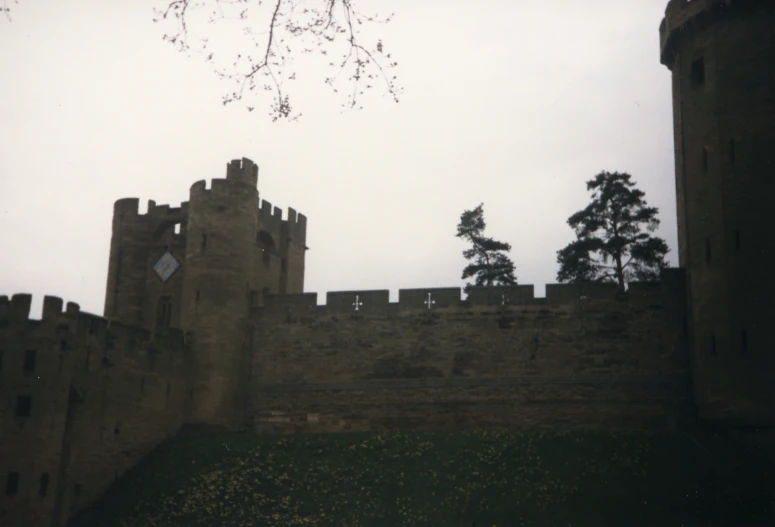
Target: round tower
221 230
722 54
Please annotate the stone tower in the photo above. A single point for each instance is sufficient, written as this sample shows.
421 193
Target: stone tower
221 234
722 57
134 292
201 267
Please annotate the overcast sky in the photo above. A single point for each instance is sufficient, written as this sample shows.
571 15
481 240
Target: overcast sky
513 104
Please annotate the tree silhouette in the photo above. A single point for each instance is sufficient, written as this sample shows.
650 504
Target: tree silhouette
490 265
612 242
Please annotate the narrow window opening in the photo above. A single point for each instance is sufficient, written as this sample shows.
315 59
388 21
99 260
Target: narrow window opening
164 312
698 71
63 345
732 150
744 341
704 159
43 485
737 240
23 406
266 244
12 484
253 298
197 295
712 345
29 361
204 242
177 228
707 251
116 430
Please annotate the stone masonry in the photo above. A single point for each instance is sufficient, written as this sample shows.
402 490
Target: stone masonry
206 319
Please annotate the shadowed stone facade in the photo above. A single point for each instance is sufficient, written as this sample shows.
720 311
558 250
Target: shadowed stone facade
722 58
206 319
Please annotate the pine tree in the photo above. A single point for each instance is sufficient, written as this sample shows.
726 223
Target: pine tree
612 242
490 265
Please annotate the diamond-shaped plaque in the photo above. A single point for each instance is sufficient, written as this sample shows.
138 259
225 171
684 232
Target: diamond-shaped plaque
166 266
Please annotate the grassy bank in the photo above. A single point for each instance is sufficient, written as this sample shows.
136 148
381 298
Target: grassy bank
444 479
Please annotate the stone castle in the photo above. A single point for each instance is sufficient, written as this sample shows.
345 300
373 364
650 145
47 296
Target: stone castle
206 320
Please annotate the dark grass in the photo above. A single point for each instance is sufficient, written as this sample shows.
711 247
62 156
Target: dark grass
445 479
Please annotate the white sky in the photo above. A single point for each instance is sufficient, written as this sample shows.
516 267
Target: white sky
514 104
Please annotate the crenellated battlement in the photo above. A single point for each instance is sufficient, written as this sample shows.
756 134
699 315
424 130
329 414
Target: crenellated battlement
113 338
683 15
126 207
297 226
270 219
17 308
243 171
166 211
238 174
669 291
129 207
223 193
220 188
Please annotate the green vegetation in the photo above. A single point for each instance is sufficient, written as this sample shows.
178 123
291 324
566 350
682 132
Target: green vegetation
492 478
613 241
489 262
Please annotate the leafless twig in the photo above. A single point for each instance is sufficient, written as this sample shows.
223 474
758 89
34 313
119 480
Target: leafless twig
294 27
7 10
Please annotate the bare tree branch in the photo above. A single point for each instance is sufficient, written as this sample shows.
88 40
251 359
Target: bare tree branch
6 10
292 29
313 24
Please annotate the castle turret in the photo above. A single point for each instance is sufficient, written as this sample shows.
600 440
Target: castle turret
220 250
200 267
145 267
721 54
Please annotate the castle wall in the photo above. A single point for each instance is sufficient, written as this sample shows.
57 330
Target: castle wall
31 446
563 361
721 55
102 396
84 398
